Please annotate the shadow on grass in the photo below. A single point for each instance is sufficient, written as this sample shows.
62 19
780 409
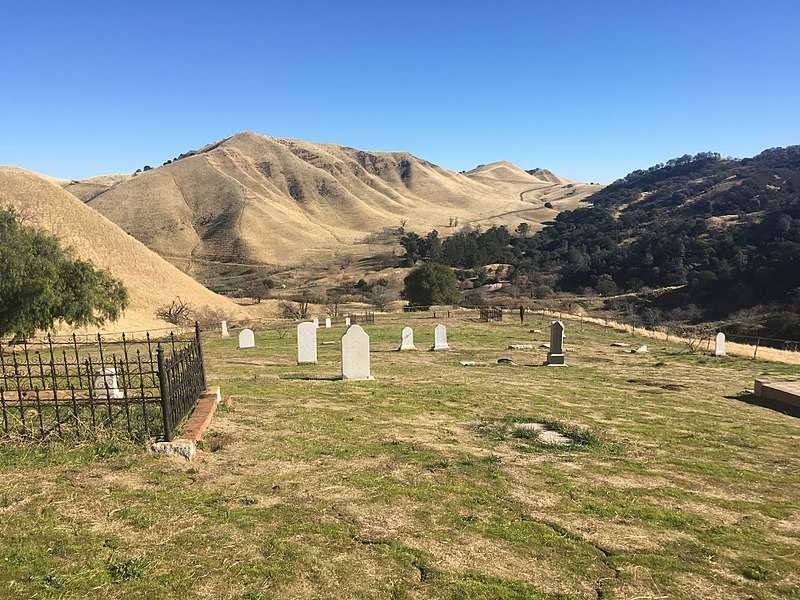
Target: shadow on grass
781 407
302 377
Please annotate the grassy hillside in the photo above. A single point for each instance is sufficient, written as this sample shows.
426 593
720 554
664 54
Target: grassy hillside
253 199
150 280
422 485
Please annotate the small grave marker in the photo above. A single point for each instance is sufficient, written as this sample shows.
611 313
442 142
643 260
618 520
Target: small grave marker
306 343
407 339
555 358
246 339
719 345
327 322
440 338
355 354
105 384
224 326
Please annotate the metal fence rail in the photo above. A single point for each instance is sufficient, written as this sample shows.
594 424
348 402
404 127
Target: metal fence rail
367 318
182 379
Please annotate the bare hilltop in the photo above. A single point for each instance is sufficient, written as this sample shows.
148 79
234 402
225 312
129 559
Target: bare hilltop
254 199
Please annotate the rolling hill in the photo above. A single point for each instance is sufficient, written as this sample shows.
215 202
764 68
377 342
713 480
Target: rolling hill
151 281
719 236
252 200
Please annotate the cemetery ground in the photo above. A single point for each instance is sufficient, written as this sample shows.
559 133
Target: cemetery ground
423 483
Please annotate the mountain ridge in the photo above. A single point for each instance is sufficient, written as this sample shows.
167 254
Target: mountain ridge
260 199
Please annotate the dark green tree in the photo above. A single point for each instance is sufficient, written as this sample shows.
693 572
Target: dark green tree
41 285
431 284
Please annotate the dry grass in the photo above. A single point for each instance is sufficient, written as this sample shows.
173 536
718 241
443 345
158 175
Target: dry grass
731 348
407 487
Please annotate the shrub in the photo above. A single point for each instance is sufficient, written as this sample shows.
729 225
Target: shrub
430 284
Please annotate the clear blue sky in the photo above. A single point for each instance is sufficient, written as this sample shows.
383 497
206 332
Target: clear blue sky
591 90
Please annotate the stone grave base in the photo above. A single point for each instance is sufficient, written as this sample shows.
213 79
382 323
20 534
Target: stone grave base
787 392
545 434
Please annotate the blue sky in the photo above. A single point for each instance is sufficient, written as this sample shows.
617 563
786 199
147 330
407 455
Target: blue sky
591 90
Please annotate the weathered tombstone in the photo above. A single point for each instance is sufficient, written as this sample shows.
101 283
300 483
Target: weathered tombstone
555 358
407 339
347 321
440 338
316 321
246 339
327 322
105 384
306 343
355 354
225 329
719 345
640 350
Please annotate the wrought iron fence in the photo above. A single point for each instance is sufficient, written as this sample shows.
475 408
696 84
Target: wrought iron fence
367 318
491 314
78 385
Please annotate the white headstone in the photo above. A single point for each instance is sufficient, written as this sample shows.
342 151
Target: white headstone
440 338
316 321
246 339
225 329
555 358
641 350
105 384
355 354
306 343
407 339
327 322
347 321
719 345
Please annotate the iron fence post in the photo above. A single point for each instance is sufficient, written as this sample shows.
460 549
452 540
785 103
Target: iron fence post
166 409
200 353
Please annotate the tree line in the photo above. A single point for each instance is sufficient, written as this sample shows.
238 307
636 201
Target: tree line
727 231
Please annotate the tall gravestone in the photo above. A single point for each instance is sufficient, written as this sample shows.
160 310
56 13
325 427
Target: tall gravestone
440 338
306 343
347 321
719 345
327 322
316 321
407 339
224 326
355 354
246 339
555 358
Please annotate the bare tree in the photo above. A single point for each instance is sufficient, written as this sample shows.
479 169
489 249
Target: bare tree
332 301
177 312
298 307
381 296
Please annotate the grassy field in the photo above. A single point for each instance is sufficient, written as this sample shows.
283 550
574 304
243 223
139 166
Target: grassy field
422 485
